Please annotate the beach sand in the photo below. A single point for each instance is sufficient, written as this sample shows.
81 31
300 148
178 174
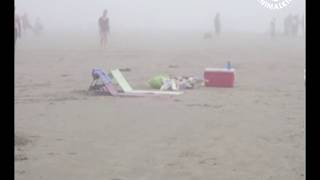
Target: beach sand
255 130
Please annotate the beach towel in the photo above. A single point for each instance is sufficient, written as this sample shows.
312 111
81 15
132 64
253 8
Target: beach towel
158 81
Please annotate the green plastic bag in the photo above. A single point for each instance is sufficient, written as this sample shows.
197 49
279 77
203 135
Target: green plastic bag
157 81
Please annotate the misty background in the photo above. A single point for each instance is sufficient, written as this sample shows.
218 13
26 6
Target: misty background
155 15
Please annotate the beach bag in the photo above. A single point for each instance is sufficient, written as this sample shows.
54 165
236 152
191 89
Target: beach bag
157 81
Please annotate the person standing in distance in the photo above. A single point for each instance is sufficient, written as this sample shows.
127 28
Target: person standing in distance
17 27
273 27
217 24
104 28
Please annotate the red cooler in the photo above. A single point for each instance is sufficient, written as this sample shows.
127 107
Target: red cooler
219 77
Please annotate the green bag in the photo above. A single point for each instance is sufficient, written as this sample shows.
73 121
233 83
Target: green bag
157 81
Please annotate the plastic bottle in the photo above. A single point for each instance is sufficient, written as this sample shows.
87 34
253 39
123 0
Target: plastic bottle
228 65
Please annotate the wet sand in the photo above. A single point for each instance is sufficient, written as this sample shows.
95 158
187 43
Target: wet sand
255 130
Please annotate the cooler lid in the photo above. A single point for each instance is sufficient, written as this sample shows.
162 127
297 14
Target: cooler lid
220 69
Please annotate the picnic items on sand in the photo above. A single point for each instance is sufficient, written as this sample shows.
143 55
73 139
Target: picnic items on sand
169 84
219 77
157 81
182 82
166 85
125 86
102 83
228 65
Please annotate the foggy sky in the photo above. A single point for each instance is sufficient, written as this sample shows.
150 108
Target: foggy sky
155 15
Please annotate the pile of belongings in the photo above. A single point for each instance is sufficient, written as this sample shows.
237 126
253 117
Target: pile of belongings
164 82
104 83
97 85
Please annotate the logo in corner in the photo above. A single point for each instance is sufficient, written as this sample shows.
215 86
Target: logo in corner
274 4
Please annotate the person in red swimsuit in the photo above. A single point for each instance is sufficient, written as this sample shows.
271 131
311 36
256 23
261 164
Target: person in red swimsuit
104 28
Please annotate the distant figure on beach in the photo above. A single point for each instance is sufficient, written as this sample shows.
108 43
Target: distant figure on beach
17 28
295 25
217 24
104 28
273 27
302 24
25 22
38 27
288 25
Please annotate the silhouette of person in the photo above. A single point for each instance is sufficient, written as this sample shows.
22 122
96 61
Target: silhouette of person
217 24
288 25
17 27
273 27
25 22
38 27
295 25
302 24
104 28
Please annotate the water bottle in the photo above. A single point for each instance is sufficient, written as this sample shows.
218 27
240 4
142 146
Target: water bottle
228 65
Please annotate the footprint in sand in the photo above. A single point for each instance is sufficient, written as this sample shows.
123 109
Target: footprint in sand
20 171
125 69
21 141
20 157
209 161
41 115
198 105
171 164
177 100
52 154
173 66
65 75
217 106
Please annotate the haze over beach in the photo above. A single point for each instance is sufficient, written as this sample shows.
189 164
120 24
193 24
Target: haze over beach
255 130
152 15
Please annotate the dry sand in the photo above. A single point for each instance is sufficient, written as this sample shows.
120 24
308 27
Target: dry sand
255 130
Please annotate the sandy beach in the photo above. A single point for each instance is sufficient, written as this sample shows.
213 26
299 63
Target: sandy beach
255 130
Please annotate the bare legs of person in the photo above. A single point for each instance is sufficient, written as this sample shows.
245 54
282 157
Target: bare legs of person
103 39
15 36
